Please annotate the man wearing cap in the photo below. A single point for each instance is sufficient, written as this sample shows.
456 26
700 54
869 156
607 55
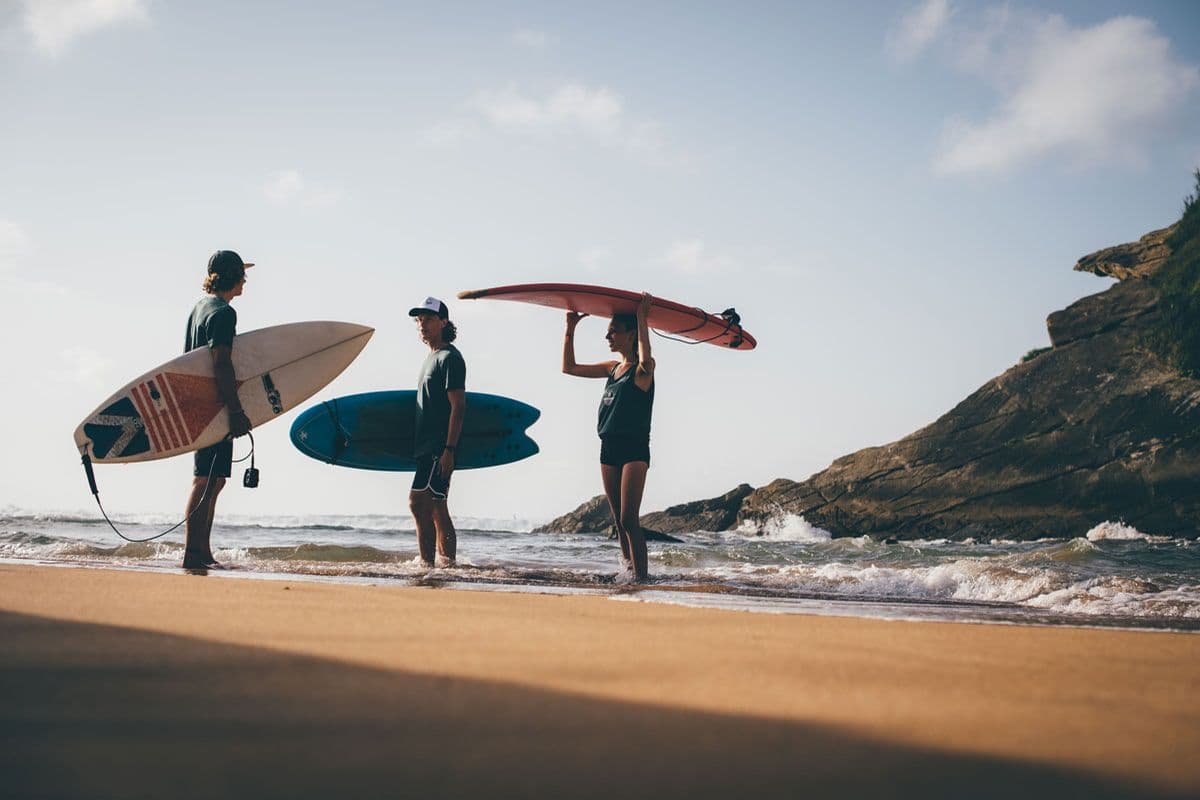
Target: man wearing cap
441 405
213 324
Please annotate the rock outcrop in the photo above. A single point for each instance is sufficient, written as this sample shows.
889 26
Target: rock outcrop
716 514
1139 259
1096 428
594 516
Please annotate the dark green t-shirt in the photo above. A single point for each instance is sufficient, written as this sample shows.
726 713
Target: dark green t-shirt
443 371
213 323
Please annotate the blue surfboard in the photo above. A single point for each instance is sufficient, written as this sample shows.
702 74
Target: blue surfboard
374 430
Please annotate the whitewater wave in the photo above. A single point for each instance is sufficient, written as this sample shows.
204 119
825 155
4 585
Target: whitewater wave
784 527
1122 596
1119 531
11 516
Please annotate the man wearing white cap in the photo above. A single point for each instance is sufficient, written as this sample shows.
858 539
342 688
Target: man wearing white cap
441 405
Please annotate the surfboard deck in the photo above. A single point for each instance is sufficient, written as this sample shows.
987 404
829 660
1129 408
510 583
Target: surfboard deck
665 316
374 431
175 408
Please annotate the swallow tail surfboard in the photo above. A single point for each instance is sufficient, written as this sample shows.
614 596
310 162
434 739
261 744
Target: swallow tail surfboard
674 319
375 431
174 408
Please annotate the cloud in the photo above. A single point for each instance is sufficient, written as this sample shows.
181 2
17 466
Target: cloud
55 24
569 106
993 49
918 29
15 248
287 188
597 113
80 365
14 243
449 133
692 256
1089 95
593 258
533 39
685 256
19 276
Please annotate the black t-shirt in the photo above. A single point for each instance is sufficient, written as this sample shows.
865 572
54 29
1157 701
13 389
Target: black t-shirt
625 409
213 323
443 372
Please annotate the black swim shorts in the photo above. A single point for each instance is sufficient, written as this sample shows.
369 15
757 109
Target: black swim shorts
429 478
616 451
218 459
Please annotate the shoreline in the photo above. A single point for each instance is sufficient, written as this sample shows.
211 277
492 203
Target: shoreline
849 607
534 694
1117 581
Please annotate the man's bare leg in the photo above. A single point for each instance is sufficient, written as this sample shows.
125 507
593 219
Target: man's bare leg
421 504
200 511
447 537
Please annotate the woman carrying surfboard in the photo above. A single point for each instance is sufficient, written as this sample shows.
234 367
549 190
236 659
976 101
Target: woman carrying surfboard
623 423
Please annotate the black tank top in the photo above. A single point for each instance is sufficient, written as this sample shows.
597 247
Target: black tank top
625 408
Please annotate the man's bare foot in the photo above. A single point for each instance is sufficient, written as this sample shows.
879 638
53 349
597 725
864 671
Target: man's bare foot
201 561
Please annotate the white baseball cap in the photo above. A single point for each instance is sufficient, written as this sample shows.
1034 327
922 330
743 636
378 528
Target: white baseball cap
433 306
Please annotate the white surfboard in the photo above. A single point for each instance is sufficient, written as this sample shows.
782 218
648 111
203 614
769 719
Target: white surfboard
174 408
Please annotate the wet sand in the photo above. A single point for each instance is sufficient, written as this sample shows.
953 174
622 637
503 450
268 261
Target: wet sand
138 684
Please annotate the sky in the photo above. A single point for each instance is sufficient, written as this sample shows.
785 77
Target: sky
892 195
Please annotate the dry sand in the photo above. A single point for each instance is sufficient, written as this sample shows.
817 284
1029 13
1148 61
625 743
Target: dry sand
139 684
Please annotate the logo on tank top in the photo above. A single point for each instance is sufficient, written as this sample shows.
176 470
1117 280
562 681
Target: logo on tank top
610 395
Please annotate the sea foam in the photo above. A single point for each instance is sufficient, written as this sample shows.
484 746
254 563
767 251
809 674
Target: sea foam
785 527
1121 532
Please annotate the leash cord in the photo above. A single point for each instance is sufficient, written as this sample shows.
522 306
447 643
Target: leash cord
731 320
87 465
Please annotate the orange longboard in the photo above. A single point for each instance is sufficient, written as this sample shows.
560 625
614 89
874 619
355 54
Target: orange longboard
665 316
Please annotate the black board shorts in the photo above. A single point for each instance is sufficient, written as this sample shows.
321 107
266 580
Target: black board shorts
428 478
218 459
617 451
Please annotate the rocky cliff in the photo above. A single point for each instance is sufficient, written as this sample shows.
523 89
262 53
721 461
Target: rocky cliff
1094 428
717 514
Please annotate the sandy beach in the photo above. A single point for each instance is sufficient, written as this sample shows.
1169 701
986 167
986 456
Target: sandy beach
139 684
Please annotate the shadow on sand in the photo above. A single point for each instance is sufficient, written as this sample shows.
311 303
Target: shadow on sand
98 711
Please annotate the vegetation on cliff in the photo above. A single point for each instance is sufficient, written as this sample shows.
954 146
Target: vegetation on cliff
1175 336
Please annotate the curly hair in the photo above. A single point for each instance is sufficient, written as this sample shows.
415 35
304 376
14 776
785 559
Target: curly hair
450 332
216 282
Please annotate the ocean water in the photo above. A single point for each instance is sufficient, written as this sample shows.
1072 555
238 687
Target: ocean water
1113 576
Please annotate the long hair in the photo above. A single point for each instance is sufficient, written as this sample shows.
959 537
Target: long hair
217 282
449 332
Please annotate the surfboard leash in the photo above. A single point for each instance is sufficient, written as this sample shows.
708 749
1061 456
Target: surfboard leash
732 320
91 476
341 439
